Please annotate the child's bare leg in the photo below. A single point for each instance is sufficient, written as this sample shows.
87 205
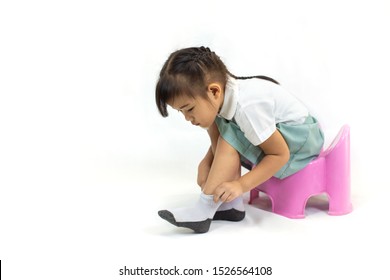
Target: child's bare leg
225 167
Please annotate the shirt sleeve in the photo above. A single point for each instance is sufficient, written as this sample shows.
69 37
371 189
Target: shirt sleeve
257 121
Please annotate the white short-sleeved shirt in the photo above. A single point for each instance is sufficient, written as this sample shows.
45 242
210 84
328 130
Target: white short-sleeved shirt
257 105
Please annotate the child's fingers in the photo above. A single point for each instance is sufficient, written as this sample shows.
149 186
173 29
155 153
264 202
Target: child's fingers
218 193
222 193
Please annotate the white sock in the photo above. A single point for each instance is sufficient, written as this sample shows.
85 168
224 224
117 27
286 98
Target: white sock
204 209
197 217
237 204
233 211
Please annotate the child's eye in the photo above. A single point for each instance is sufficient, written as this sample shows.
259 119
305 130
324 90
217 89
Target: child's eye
189 110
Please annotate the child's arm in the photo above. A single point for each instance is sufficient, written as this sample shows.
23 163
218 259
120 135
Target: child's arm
276 155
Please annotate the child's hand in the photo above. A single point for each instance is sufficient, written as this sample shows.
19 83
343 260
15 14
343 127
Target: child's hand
228 191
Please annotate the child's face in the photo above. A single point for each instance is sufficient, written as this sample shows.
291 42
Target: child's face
199 111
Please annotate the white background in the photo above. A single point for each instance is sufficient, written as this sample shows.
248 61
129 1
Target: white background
86 161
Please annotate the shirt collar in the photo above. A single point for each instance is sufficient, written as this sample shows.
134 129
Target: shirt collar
229 105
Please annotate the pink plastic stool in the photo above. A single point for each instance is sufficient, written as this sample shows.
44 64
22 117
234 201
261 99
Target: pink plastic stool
329 173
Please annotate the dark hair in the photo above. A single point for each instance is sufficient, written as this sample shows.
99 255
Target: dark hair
189 71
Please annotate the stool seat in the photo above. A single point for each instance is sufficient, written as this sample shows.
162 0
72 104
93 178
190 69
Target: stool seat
329 173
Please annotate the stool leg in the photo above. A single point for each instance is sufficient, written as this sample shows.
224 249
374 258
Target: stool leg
338 189
254 193
338 178
292 207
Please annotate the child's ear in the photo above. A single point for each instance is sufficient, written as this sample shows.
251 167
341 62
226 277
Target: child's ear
214 90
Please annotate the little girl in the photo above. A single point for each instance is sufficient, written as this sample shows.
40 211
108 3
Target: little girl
251 121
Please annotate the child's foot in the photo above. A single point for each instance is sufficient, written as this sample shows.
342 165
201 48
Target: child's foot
233 211
198 218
